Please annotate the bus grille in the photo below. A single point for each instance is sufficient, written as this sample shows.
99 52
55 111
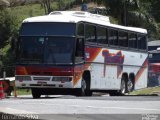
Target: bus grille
42 78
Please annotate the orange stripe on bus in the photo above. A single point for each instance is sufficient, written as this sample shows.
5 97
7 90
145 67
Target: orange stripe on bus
94 54
140 72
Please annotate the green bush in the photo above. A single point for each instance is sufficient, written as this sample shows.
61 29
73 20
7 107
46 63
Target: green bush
8 27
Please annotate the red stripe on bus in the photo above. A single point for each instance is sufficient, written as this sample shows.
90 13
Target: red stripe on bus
141 70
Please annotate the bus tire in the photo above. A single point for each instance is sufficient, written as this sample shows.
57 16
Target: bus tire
123 88
114 93
35 93
130 83
81 91
88 91
85 89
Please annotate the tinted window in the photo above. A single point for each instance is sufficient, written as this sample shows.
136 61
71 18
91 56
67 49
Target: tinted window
31 49
123 39
90 33
101 35
46 29
80 31
47 50
113 37
58 50
132 40
142 42
154 57
79 54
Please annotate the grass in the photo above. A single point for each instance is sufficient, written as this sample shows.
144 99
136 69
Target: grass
23 92
22 12
147 91
31 10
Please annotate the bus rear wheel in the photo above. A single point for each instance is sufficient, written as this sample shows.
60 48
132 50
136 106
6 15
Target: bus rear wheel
130 84
123 88
35 93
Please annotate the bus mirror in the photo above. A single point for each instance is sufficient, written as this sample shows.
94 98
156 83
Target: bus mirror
150 55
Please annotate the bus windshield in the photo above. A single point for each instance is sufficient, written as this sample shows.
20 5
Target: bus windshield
48 29
46 50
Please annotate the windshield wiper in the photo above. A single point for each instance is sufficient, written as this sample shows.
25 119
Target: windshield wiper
60 63
30 60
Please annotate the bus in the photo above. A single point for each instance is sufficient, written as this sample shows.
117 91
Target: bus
154 68
75 52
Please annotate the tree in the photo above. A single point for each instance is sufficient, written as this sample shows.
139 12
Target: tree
14 3
155 9
61 4
46 4
119 8
3 4
8 27
135 13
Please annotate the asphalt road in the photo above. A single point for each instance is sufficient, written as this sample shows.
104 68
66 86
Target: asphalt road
101 107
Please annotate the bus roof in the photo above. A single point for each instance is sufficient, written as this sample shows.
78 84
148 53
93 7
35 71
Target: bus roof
78 16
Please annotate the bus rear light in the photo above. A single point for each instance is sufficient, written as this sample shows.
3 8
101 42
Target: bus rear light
23 78
62 79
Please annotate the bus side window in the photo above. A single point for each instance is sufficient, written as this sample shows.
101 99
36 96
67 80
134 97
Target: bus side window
123 39
113 37
80 30
142 42
102 35
132 38
90 33
79 54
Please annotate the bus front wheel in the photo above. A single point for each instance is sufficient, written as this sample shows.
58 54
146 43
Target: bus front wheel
85 89
35 93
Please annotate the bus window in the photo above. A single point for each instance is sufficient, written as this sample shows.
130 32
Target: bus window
90 33
142 42
80 30
113 37
132 38
123 39
79 54
101 35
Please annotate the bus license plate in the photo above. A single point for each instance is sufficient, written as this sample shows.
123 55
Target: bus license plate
41 83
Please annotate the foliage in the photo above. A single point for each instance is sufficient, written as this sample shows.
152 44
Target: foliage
155 10
4 4
14 3
8 27
138 13
46 4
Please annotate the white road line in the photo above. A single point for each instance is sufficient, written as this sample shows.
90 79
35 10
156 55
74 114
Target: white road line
95 107
14 111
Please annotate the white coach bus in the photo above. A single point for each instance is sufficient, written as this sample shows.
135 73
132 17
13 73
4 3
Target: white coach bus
88 54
